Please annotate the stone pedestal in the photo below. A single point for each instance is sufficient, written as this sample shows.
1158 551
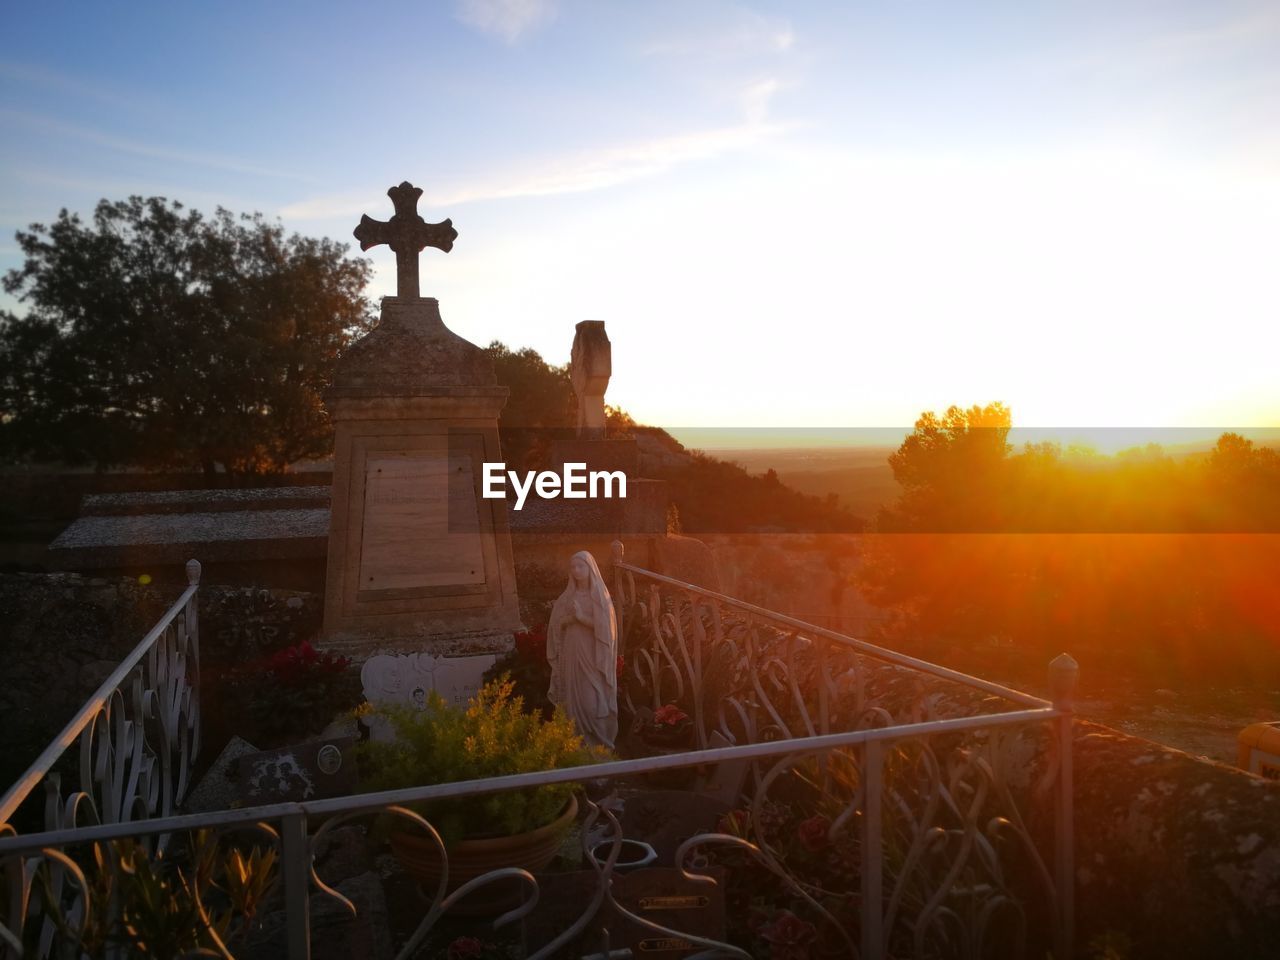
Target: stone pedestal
418 561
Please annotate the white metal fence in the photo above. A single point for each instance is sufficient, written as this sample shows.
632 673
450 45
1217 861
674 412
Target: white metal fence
955 791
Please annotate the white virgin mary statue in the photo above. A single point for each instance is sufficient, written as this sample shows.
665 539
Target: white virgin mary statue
582 648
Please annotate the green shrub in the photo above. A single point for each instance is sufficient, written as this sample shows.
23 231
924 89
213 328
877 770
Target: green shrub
493 737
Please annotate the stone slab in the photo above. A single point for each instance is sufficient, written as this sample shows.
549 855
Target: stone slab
312 770
241 526
311 496
421 527
667 818
407 680
217 789
225 535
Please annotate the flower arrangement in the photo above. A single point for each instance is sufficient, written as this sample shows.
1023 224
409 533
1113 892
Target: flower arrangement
669 715
667 727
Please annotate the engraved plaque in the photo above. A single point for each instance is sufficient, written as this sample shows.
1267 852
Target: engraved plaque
421 522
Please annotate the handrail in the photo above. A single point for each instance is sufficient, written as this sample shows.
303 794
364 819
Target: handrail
862 646
357 802
23 786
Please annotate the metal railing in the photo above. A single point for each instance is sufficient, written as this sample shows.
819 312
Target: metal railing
748 674
139 733
936 807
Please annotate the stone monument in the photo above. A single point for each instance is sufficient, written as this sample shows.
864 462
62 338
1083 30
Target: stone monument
419 564
590 366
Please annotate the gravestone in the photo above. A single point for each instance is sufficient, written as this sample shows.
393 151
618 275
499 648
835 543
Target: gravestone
409 679
418 561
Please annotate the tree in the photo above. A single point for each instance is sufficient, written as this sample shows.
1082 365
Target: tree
160 338
948 467
540 408
541 394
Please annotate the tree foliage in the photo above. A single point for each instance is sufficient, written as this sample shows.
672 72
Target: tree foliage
158 337
1166 560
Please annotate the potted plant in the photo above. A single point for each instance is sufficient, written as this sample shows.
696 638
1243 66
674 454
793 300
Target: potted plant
493 737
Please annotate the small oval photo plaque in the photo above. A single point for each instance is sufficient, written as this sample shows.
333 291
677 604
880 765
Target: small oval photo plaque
329 759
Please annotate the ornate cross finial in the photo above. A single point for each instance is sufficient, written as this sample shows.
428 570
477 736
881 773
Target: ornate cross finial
407 234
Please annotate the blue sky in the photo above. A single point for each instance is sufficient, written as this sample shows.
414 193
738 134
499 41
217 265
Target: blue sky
788 214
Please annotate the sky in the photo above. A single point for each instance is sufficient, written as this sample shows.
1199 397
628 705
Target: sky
788 215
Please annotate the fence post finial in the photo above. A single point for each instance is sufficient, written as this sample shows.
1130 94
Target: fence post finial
193 572
616 551
1063 674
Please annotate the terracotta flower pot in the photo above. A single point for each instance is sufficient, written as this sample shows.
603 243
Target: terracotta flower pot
468 859
668 735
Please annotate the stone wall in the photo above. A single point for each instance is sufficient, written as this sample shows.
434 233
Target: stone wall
1176 856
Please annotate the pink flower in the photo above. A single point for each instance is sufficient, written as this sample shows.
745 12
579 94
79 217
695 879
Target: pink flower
464 948
669 715
813 833
788 936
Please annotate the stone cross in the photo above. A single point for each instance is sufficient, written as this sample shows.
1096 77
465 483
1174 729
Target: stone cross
590 366
407 234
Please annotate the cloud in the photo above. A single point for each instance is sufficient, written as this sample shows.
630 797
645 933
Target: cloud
124 145
755 100
574 173
1224 39
750 34
508 20
66 84
1140 55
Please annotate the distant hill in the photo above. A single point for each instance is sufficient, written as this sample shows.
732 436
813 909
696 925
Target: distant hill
859 477
710 495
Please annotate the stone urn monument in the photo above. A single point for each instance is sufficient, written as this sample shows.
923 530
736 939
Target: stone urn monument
419 564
